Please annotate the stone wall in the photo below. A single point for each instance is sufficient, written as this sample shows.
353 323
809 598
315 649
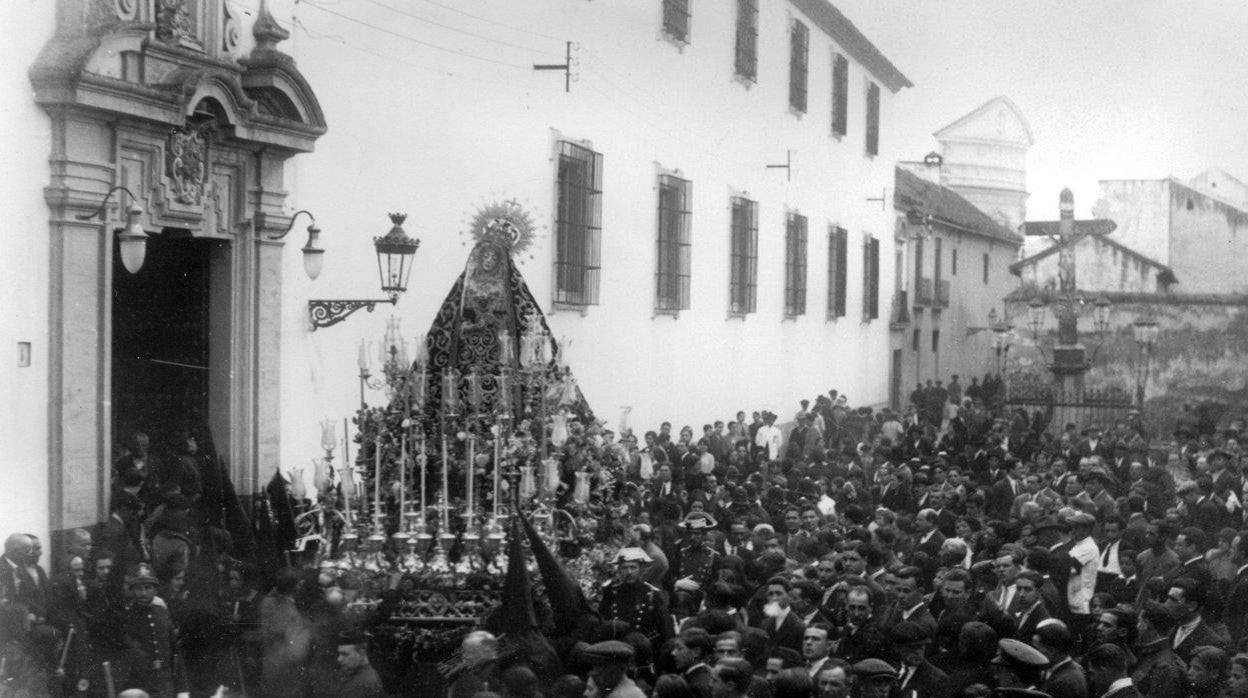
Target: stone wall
1201 355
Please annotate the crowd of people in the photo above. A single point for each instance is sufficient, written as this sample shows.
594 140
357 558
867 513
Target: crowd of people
950 549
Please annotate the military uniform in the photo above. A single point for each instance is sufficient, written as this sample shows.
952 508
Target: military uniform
149 640
641 605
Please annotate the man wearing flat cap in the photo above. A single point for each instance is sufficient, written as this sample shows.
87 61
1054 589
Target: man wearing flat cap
874 678
1018 664
917 678
640 604
608 671
359 678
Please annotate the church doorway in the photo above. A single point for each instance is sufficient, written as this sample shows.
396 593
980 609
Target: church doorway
162 340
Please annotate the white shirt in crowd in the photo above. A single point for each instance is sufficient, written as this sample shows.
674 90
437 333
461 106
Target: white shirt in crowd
1080 587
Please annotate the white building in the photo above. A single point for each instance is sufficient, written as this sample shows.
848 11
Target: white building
688 274
984 157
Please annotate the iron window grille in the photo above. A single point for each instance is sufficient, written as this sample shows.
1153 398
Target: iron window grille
743 282
799 45
747 39
676 19
838 268
985 267
795 265
840 95
578 225
672 272
873 119
870 279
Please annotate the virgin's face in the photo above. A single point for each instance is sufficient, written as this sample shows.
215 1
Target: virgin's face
489 259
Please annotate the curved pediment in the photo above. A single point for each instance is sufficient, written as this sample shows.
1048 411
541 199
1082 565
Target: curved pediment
998 120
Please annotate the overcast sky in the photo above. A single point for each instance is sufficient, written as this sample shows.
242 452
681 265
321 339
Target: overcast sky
1112 89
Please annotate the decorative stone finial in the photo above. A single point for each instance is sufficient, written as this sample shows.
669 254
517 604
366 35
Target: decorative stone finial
267 31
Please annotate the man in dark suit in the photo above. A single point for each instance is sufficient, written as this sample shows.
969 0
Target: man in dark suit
1107 673
1237 596
1002 493
1093 444
780 622
917 678
910 605
691 651
929 538
862 636
1186 598
1064 677
1031 610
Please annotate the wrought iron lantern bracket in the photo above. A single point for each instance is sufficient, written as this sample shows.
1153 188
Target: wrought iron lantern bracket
326 313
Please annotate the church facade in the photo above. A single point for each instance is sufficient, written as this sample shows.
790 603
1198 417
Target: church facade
709 188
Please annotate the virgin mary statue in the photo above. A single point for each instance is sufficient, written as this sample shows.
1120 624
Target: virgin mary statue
480 326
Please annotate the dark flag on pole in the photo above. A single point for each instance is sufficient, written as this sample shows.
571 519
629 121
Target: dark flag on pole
573 616
515 621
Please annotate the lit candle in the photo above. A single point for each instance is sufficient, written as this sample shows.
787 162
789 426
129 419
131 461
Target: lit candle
402 480
475 392
446 492
377 481
420 388
328 438
498 462
422 351
471 465
505 352
504 389
450 391
363 356
423 461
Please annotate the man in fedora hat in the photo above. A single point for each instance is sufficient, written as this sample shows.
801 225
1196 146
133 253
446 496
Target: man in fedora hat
917 678
643 606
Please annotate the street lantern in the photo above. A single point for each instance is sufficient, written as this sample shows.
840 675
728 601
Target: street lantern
1101 312
394 257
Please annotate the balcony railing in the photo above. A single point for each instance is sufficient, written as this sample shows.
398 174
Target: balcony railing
923 294
942 293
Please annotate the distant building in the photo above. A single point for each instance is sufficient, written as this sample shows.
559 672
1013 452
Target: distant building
1101 264
1200 235
984 159
952 260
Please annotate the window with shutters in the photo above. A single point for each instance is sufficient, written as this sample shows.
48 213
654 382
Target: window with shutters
676 19
838 263
672 272
870 279
578 225
795 239
985 267
746 63
840 95
873 119
743 281
799 49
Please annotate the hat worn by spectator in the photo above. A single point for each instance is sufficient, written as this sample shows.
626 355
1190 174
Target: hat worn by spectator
1081 519
632 555
907 633
1220 452
612 651
1091 429
141 573
1018 653
872 669
698 521
1096 474
1015 692
1049 522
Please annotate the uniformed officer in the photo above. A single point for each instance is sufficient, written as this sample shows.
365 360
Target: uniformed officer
608 671
640 604
148 636
696 568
